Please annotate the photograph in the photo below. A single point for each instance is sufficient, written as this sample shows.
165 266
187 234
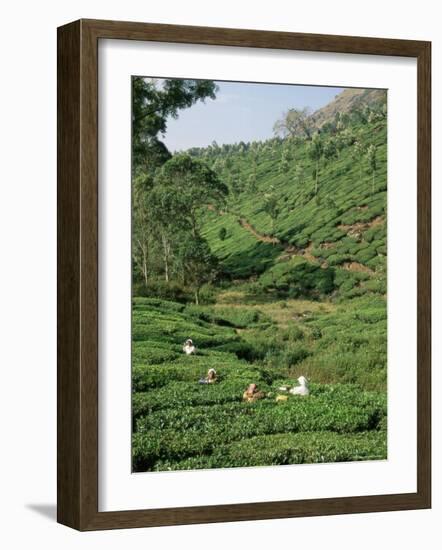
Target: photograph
259 274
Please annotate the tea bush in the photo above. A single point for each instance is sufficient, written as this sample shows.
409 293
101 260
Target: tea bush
299 278
176 434
263 333
283 449
178 423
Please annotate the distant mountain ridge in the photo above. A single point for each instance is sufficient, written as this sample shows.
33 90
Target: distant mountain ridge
347 101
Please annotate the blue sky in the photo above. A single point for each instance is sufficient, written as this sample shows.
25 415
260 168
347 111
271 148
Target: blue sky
241 112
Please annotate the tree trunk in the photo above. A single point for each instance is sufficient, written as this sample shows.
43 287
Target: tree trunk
197 296
166 251
145 266
317 177
142 264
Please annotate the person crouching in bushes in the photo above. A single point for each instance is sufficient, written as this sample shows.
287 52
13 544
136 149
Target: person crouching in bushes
188 347
210 378
252 394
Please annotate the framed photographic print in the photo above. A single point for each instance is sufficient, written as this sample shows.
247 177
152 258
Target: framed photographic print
243 275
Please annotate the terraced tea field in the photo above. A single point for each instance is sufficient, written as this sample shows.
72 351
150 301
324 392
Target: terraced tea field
282 244
180 424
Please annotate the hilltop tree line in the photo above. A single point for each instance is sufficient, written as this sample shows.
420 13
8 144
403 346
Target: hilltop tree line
296 131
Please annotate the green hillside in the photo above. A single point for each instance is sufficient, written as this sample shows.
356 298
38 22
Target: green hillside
271 257
341 228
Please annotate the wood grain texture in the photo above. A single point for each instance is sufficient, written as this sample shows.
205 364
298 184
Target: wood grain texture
68 276
252 38
77 385
424 274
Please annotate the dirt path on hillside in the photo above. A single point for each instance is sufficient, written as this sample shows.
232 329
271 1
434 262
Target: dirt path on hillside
259 236
356 266
290 250
356 229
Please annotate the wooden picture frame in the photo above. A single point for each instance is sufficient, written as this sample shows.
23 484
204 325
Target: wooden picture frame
78 274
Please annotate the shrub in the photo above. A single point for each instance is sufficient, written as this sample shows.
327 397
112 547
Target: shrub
283 449
285 357
178 423
292 334
190 394
144 303
377 285
299 278
240 317
189 431
222 233
151 354
294 355
167 291
338 259
207 294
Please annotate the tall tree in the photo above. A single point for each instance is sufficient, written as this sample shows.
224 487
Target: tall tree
199 265
271 207
372 164
168 223
184 188
357 153
254 156
194 186
299 173
153 102
330 148
295 122
284 162
316 150
141 228
252 181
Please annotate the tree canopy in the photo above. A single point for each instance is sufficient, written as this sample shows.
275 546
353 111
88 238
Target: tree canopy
190 186
153 102
295 122
199 265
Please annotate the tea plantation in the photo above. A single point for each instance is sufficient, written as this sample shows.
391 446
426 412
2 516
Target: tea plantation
180 424
300 245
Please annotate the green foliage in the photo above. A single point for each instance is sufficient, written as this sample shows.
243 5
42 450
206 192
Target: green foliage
372 163
183 187
295 122
272 207
199 264
152 105
299 278
180 424
308 301
299 448
222 233
344 195
241 317
200 429
157 288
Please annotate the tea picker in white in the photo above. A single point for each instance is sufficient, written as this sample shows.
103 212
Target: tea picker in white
188 347
302 389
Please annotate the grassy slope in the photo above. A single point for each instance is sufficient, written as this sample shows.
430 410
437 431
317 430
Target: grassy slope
313 304
180 424
335 225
